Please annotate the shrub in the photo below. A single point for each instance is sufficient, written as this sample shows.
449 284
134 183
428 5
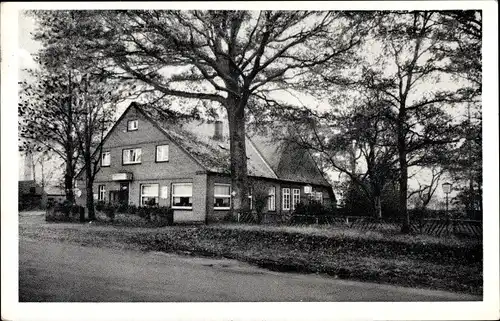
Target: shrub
144 213
110 211
122 208
311 208
165 215
99 206
132 209
65 207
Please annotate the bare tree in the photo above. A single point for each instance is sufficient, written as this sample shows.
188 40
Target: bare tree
46 117
420 120
425 191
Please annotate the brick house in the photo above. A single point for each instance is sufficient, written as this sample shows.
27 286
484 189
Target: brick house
148 159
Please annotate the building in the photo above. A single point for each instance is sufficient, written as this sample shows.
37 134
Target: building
31 195
148 159
55 195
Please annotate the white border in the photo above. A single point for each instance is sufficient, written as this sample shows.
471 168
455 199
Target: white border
12 310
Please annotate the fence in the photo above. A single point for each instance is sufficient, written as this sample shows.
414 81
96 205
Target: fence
437 227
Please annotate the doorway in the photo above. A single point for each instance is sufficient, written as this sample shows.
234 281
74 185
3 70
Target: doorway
123 193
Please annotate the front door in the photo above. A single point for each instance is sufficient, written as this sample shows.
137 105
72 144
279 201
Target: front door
123 194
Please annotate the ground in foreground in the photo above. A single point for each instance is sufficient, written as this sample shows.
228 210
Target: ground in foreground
59 272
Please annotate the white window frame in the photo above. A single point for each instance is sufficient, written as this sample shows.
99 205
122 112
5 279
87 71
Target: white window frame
109 159
285 203
141 195
129 162
181 195
222 196
250 197
295 197
271 200
319 197
131 122
101 192
158 148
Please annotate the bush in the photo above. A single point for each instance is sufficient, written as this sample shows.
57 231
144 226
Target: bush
122 208
99 206
110 211
65 207
311 208
131 209
144 213
165 216
63 212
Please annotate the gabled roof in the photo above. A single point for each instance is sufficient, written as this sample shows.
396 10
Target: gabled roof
264 156
196 137
289 161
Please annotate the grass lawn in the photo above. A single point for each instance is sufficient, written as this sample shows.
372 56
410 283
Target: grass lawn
417 261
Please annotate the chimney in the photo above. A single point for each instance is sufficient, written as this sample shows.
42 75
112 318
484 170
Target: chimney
218 133
28 163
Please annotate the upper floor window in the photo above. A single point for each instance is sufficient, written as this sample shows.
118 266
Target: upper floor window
105 159
132 125
296 197
162 153
222 196
286 199
132 156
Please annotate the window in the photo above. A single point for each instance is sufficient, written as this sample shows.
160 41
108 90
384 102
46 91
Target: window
319 197
132 156
182 196
105 159
222 196
162 153
295 197
271 200
149 194
250 198
101 192
286 199
132 125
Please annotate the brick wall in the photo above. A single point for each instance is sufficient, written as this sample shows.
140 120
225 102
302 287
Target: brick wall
179 168
214 215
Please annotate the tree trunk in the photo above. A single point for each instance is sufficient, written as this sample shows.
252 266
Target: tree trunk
403 177
70 169
68 177
90 199
237 138
43 173
378 206
89 180
403 191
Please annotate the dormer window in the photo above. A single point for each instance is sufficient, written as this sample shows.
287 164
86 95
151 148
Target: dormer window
132 125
